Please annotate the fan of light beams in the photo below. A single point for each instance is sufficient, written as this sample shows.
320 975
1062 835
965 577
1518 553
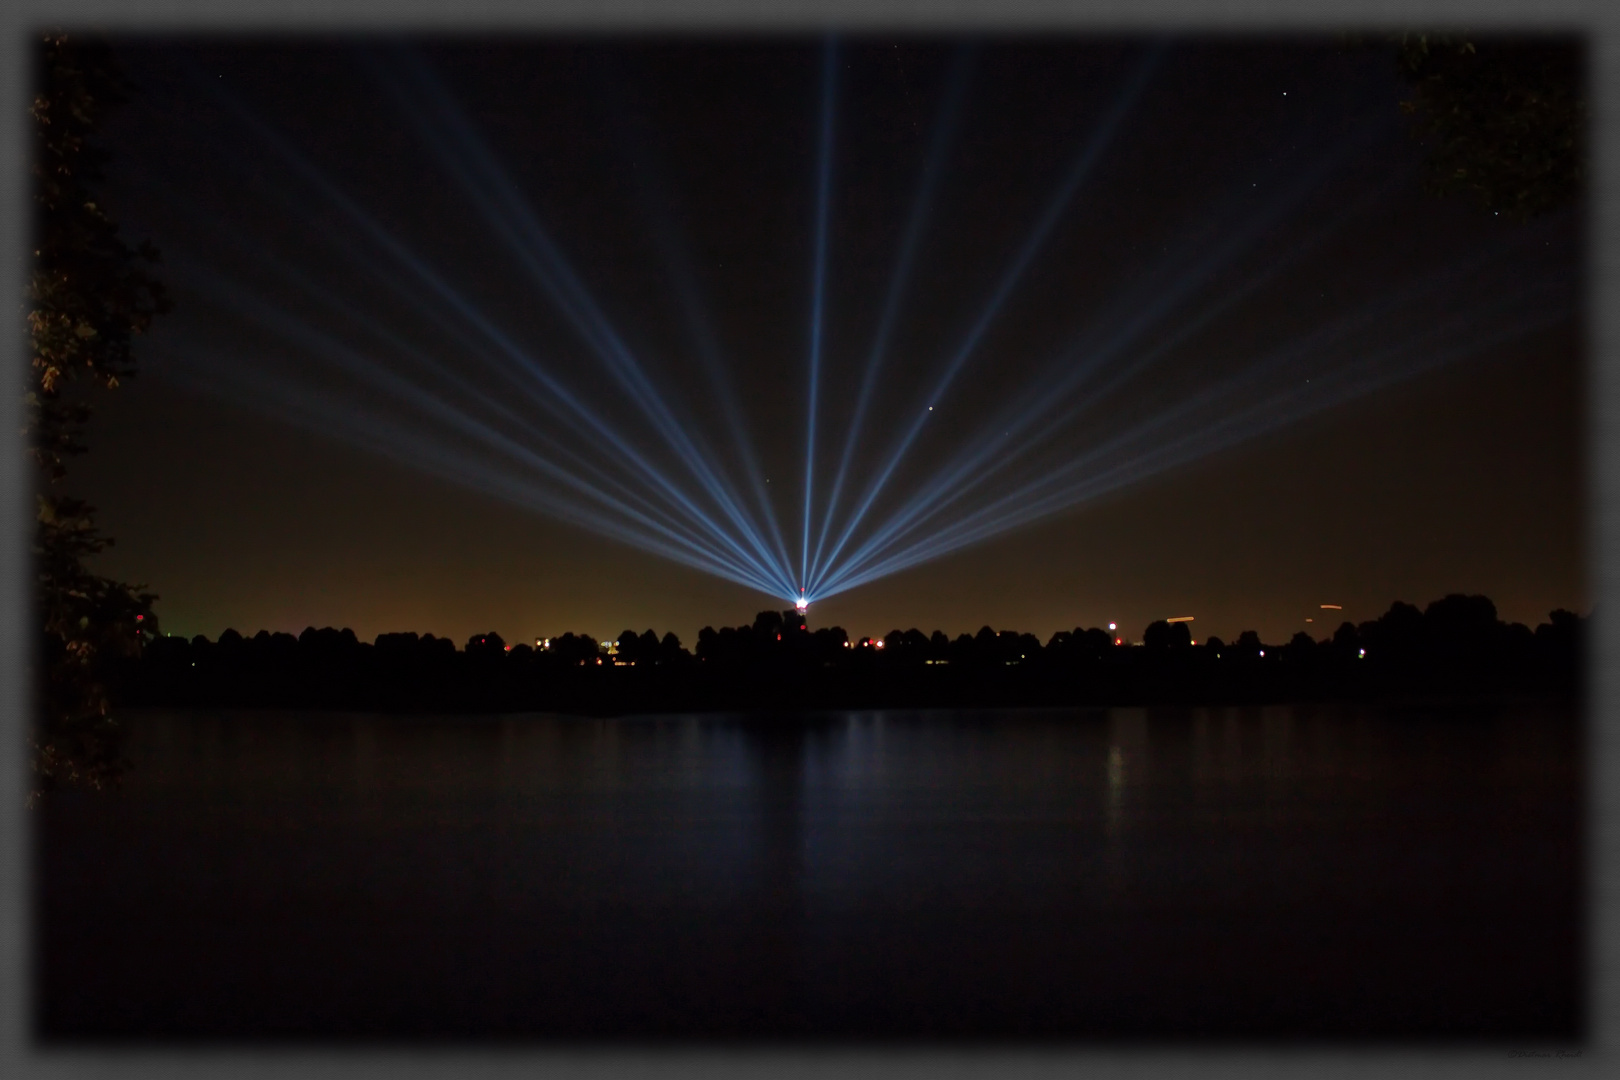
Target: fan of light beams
1135 390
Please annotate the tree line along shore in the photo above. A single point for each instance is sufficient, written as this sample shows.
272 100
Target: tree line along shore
1455 646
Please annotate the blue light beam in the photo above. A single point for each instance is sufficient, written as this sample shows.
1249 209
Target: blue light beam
447 294
1078 172
933 165
1063 376
511 219
428 405
641 161
829 71
1326 390
211 280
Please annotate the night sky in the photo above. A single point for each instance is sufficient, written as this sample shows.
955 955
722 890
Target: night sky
521 336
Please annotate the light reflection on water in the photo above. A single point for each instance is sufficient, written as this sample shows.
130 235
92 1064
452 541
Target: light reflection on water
1302 869
843 805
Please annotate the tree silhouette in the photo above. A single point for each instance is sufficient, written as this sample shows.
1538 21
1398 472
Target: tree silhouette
1397 632
1455 645
490 644
1504 119
669 649
767 625
1163 634
1247 644
89 294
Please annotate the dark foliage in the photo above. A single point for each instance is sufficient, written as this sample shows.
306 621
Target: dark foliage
89 294
1456 645
1504 120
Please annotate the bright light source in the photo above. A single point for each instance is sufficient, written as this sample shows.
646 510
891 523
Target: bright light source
878 644
1332 607
1362 653
707 528
1181 618
1262 652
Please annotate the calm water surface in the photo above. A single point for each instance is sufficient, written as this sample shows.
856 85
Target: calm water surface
1298 873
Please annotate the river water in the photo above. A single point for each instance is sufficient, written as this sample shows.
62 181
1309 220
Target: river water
1322 873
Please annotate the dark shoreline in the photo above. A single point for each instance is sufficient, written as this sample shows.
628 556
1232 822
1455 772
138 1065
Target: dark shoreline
1456 646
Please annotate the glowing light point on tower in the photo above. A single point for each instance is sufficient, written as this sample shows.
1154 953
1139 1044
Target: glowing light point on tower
801 603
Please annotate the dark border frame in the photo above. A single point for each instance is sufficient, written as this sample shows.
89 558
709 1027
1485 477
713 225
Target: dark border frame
1598 21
